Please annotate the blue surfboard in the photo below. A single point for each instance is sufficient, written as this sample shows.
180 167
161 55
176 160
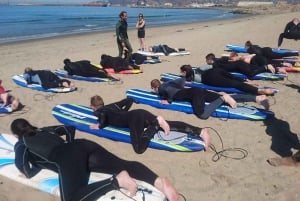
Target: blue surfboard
19 80
82 117
242 49
5 109
63 73
261 76
171 76
149 61
241 112
47 180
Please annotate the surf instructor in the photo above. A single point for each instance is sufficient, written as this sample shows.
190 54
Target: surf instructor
124 45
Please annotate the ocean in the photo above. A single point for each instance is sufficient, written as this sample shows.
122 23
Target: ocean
19 23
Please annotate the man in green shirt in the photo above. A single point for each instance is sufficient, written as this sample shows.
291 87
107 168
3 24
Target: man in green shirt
124 45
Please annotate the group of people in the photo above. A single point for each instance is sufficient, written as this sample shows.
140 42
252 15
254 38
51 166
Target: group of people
74 159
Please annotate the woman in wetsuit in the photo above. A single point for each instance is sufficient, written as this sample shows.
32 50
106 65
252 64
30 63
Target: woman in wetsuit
74 160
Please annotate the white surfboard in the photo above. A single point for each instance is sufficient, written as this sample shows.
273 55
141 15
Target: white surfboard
47 180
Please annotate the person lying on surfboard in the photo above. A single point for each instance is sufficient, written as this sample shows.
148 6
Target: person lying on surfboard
84 68
164 49
118 114
267 52
75 159
175 90
139 59
7 99
253 64
46 79
117 63
221 78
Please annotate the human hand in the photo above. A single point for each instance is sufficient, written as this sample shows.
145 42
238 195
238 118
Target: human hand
164 102
94 126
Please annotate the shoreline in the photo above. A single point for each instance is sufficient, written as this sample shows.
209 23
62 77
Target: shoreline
130 29
195 175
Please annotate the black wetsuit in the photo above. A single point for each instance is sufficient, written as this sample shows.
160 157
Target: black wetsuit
48 79
257 66
117 114
122 37
117 63
83 68
174 90
221 78
74 161
291 31
268 53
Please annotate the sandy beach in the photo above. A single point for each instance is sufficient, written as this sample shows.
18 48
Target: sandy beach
195 175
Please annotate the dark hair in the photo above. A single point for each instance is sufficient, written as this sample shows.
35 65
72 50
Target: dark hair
189 73
210 56
21 127
122 13
248 44
66 61
141 15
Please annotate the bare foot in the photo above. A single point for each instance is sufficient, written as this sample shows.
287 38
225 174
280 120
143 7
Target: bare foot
163 124
229 100
266 91
127 182
286 161
281 70
166 188
206 137
263 100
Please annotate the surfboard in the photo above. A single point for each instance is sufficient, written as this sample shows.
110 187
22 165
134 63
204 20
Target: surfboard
5 109
171 76
82 117
62 73
241 112
261 76
111 70
148 53
242 49
149 61
20 81
47 180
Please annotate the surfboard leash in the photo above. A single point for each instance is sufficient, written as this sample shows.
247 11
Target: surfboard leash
222 153
39 97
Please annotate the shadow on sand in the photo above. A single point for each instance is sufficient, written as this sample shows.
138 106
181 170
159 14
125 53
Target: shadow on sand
293 86
283 139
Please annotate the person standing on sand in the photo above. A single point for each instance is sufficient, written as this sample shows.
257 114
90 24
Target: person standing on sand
291 31
124 45
140 25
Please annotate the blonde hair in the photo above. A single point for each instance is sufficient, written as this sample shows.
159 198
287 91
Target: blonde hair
97 101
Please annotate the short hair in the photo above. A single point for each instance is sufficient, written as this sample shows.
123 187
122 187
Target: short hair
210 56
97 101
186 68
155 83
27 70
122 13
21 127
248 44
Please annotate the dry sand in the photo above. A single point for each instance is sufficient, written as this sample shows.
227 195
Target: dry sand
195 175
